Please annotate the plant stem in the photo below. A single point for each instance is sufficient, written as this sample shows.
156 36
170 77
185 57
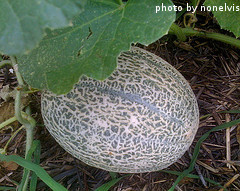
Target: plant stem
29 139
25 186
18 113
215 36
178 32
119 2
24 118
18 75
7 122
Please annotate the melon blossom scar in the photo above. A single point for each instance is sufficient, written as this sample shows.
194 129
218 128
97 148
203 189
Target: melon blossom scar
168 8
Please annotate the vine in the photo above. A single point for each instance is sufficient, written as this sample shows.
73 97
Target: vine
28 123
181 33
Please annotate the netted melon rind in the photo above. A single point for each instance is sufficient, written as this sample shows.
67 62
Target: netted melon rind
141 119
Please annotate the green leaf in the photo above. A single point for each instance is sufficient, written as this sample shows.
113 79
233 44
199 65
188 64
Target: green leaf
92 44
35 149
229 17
7 188
23 22
197 149
113 175
37 154
108 185
40 172
195 177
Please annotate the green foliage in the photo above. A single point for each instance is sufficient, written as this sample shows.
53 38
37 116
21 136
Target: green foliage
23 22
34 150
195 177
92 44
197 149
113 175
108 185
40 172
229 19
7 188
89 44
36 160
92 41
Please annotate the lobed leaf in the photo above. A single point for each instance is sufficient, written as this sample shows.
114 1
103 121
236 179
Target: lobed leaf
23 22
229 17
92 44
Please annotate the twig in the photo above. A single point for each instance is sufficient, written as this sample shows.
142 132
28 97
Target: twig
178 188
13 135
210 154
214 170
228 142
199 172
230 182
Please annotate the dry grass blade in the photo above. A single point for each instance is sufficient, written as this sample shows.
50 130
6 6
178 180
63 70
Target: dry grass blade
228 140
207 167
230 181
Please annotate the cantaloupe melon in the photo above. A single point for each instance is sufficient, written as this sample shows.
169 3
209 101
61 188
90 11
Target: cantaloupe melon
140 119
